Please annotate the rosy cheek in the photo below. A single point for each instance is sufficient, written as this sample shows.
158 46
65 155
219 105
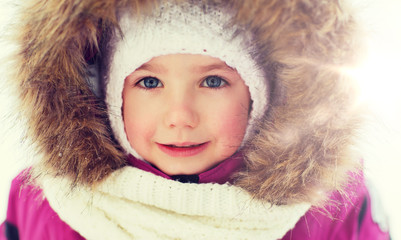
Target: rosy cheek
134 122
231 126
139 135
130 129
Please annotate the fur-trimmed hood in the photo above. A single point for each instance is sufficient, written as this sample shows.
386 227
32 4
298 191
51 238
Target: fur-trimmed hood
302 149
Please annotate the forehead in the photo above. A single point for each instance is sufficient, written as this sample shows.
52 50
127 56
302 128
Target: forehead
195 62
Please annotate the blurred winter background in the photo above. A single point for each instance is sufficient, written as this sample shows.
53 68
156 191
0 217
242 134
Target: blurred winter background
380 79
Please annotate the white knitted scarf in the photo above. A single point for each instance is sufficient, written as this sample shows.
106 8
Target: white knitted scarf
133 204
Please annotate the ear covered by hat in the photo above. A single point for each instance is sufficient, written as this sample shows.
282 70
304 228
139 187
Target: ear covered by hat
180 29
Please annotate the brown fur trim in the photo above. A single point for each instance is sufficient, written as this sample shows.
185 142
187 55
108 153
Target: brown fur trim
302 150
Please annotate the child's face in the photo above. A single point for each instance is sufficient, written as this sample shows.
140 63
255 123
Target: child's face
185 113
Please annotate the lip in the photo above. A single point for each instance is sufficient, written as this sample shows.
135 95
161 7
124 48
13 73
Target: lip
185 149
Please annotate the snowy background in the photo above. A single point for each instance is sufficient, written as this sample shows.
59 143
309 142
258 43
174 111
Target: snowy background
380 80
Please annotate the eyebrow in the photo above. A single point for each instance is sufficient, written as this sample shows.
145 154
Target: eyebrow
152 68
215 66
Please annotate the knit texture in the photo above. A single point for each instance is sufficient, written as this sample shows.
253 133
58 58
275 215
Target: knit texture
180 29
133 204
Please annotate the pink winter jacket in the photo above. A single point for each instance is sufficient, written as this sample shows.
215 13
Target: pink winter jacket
347 218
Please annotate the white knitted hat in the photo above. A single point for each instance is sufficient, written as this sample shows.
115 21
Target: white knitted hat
186 28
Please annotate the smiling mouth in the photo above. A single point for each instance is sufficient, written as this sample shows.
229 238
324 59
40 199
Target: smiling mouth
187 146
182 150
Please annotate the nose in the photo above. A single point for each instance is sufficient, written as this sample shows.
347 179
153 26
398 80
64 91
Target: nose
181 111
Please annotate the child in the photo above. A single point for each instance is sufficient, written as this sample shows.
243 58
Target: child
188 120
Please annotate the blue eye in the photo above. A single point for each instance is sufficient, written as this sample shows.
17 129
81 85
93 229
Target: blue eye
150 82
213 82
